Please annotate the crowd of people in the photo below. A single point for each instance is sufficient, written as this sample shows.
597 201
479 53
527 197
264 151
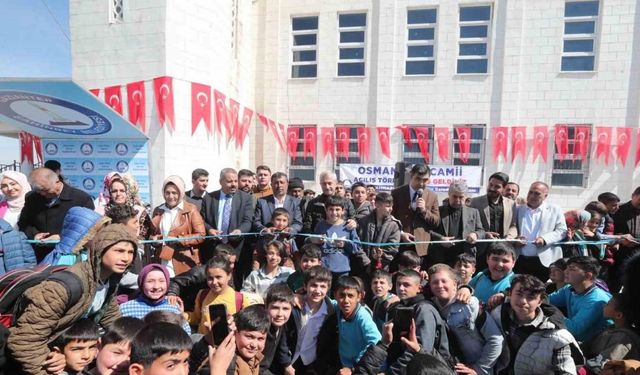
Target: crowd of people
264 277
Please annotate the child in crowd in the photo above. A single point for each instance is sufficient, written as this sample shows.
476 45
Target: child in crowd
153 282
310 255
501 257
380 227
356 328
381 286
279 303
273 256
79 344
477 335
252 325
410 260
218 271
115 347
556 276
160 348
465 268
583 300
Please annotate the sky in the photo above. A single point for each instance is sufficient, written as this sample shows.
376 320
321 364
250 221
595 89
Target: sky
34 42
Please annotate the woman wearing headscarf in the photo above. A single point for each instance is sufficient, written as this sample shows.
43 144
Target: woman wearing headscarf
173 219
576 222
14 186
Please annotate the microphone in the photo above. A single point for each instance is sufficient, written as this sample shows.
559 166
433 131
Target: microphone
419 193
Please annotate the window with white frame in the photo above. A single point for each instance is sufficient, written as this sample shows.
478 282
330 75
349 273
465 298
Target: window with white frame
571 170
579 39
421 41
301 166
411 153
304 49
476 145
352 29
473 42
116 13
353 156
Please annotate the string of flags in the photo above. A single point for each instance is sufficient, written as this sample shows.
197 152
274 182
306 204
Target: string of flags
335 142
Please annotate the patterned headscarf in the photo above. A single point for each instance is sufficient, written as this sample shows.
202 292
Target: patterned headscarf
130 184
576 219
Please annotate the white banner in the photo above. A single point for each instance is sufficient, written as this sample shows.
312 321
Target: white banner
380 176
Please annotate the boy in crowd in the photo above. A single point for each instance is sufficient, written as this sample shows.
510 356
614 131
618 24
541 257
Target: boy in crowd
115 347
252 325
380 227
410 260
534 343
310 255
79 344
501 257
465 268
160 348
381 286
583 300
279 303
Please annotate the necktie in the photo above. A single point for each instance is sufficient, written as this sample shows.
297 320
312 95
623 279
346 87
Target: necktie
226 217
415 196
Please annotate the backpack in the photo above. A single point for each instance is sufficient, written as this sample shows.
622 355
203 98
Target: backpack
239 299
15 283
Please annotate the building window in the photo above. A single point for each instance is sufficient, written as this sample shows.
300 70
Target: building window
352 28
411 153
302 167
579 39
476 147
116 13
304 49
421 41
353 156
571 170
473 44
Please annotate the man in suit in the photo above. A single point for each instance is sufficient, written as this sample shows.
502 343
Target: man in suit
227 211
416 210
496 214
200 181
540 226
265 206
457 222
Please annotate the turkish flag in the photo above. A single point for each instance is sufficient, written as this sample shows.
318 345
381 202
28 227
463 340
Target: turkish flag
562 141
221 112
136 104
442 139
163 92
581 140
327 141
113 99
603 145
422 136
200 106
310 135
518 142
95 92
232 117
364 136
623 143
499 135
540 142
274 130
292 141
26 147
464 143
245 124
383 138
342 142
37 144
406 134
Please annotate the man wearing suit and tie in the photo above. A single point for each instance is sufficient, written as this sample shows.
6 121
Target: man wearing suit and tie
265 206
227 211
543 225
496 213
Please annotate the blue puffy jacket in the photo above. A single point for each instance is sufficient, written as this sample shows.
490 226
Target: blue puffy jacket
15 250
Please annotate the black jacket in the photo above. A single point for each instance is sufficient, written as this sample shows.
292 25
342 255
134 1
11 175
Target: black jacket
316 211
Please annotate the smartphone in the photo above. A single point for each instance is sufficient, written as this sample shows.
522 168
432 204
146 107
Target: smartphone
218 319
402 322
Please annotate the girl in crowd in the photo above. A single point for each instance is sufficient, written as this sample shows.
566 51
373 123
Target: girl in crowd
177 218
14 187
273 256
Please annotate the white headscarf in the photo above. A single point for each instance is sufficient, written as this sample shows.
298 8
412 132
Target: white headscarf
16 204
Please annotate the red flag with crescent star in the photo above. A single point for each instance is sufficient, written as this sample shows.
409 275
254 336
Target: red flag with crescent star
383 139
233 109
342 142
422 138
95 92
247 116
220 102
328 141
26 147
163 92
37 145
136 104
581 139
464 142
310 135
518 142
623 144
540 142
200 106
562 141
500 134
292 141
364 137
442 140
274 130
406 134
113 98
603 145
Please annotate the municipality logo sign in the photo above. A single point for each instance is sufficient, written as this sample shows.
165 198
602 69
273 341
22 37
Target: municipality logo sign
52 114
